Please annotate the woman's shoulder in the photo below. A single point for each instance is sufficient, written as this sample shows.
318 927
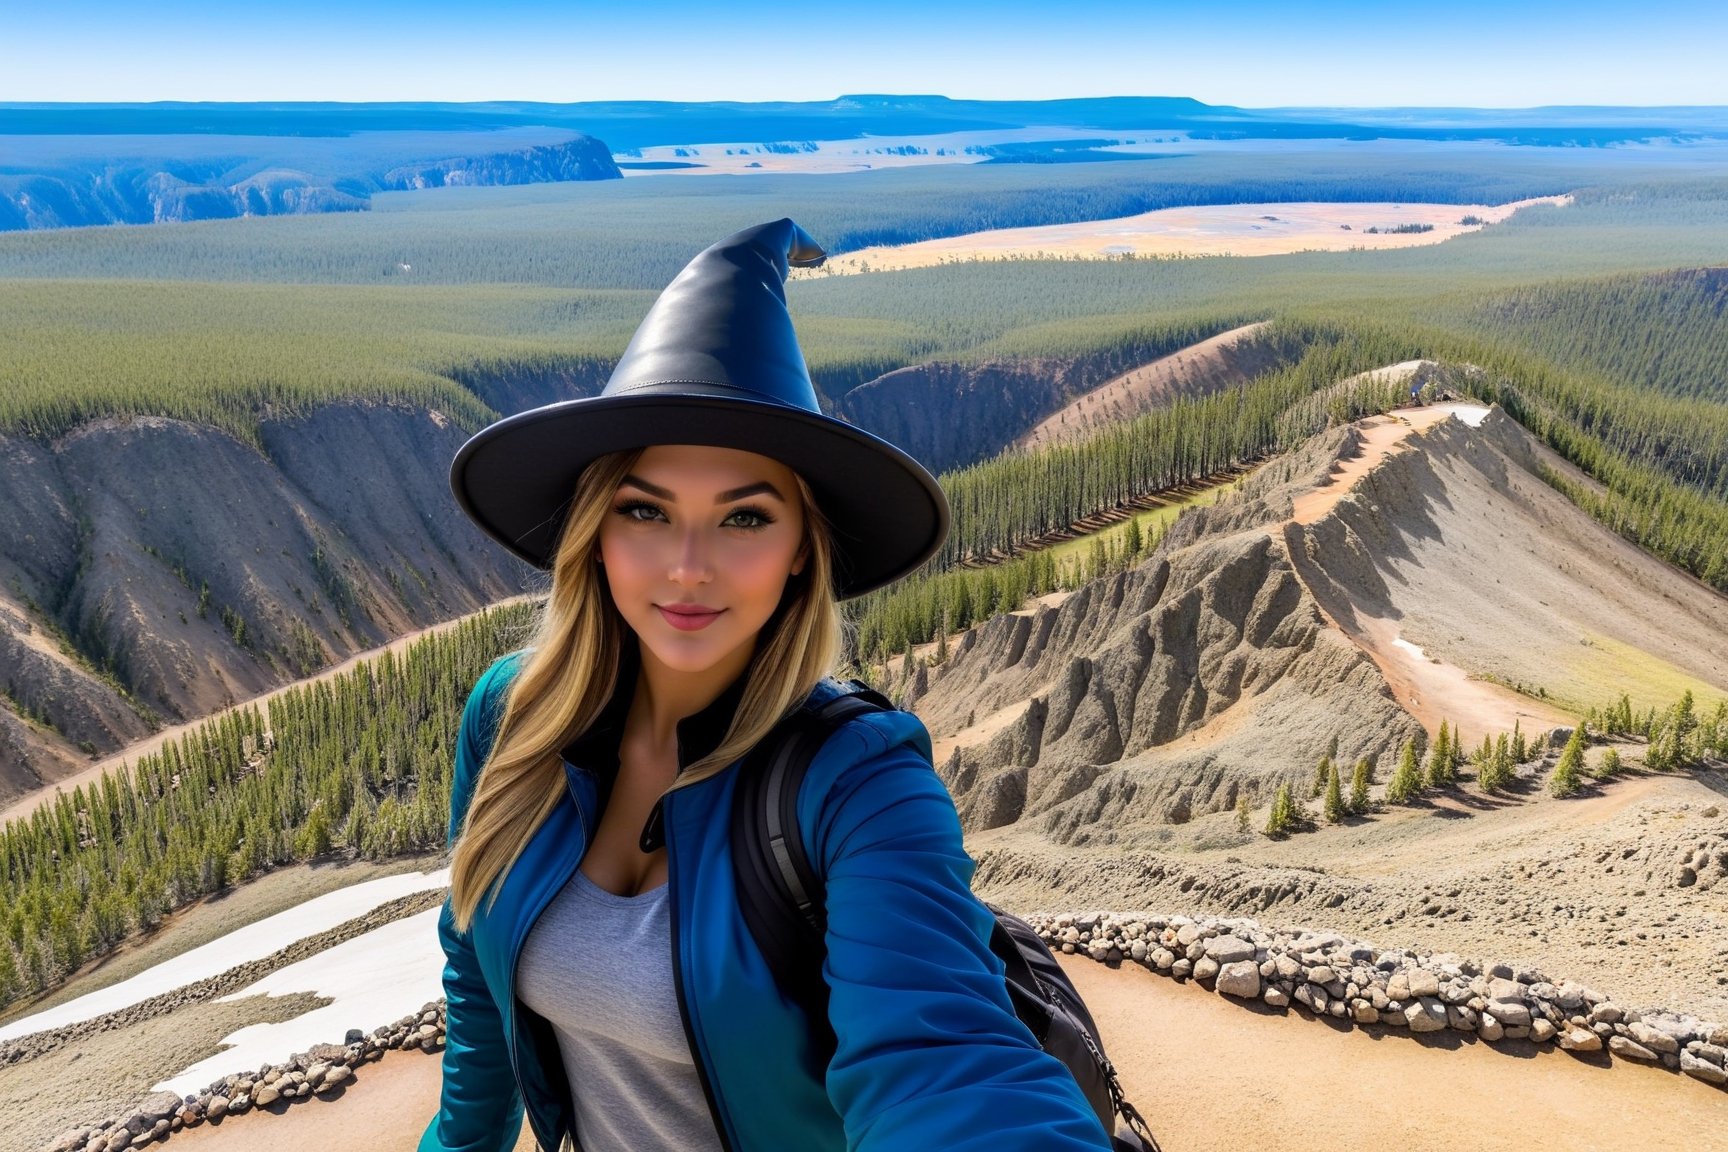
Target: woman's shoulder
871 733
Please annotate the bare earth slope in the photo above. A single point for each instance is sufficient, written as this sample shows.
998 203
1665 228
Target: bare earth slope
194 570
1225 359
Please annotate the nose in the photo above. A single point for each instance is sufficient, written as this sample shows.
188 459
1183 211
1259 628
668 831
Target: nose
690 564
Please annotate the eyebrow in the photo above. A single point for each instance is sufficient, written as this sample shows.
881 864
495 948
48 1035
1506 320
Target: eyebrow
724 498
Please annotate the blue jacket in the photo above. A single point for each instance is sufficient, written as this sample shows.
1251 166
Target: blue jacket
930 1054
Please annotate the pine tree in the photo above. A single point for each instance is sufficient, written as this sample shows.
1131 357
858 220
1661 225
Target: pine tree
1609 766
1406 782
942 639
1520 747
1441 771
1320 774
1243 821
1359 788
1334 797
1567 774
1282 816
1135 541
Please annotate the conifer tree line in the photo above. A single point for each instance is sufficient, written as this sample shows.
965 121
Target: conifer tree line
358 764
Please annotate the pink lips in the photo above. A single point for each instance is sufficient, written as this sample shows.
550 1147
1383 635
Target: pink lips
688 617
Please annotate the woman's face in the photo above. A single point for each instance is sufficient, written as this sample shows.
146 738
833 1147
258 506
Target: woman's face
697 548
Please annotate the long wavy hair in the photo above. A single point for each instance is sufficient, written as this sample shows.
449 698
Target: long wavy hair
571 667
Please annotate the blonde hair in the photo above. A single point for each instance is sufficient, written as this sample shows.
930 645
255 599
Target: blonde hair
570 669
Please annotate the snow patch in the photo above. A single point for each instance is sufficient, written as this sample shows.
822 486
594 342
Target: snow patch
373 979
1400 642
253 942
1471 414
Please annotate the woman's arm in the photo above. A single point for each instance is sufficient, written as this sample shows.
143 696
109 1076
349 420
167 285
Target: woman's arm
930 1053
480 1107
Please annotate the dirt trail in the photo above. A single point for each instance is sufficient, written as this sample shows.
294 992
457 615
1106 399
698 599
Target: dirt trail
1427 687
122 760
385 1108
1207 1073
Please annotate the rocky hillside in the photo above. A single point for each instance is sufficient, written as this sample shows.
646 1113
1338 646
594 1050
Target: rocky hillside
144 190
169 569
1267 625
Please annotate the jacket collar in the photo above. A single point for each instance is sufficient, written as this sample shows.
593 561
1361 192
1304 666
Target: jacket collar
698 734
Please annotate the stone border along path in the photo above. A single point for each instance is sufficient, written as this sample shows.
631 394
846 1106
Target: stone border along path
1327 973
1353 981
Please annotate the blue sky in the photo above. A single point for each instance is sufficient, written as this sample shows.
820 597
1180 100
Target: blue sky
1255 54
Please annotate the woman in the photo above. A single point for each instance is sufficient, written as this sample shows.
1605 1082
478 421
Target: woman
700 518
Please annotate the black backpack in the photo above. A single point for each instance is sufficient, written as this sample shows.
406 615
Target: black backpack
781 897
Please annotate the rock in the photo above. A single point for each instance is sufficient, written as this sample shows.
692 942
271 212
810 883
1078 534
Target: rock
1606 1013
218 1107
1489 1029
1162 959
118 1139
1629 1049
1137 951
1510 1015
1206 968
1195 951
70 1140
1580 1040
337 1076
1398 987
1181 969
1719 1036
1313 998
1541 1031
354 1036
1187 934
1655 1039
1229 949
1240 978
1517 1031
1460 1018
1702 1069
1363 1011
1425 1015
1505 990
1321 974
1275 996
267 1096
1423 983
1288 968
1714 1053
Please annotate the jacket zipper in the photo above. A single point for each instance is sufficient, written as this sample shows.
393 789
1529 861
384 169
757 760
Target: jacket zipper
678 983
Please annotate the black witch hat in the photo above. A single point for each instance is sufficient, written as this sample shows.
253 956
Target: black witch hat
715 363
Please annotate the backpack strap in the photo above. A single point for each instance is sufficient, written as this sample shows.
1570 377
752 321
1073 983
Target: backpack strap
779 891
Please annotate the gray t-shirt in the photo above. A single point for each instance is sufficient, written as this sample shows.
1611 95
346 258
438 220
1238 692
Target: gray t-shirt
598 967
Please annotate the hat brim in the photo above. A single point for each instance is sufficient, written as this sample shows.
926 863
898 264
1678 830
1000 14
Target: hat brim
515 478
